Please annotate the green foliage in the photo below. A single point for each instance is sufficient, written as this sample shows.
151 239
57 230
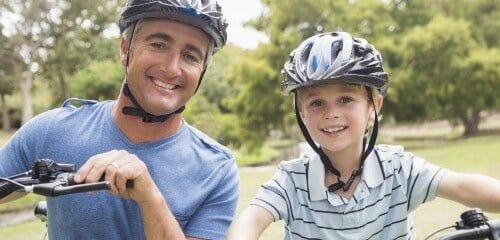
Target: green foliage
27 202
257 157
258 102
447 73
99 80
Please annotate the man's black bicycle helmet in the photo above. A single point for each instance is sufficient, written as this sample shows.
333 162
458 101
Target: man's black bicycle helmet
335 57
204 14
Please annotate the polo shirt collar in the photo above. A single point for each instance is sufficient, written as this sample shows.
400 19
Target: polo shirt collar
372 175
316 178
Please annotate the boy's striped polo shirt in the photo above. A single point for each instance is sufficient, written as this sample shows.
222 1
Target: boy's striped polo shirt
393 184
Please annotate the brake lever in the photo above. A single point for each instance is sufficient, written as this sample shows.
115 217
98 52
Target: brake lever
64 184
58 189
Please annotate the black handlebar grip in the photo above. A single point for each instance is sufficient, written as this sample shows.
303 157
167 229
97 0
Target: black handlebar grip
128 184
71 181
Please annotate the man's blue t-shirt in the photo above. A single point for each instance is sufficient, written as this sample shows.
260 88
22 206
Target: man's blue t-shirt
197 176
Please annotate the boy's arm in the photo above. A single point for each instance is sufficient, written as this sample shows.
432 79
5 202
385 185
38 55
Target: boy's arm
250 224
473 190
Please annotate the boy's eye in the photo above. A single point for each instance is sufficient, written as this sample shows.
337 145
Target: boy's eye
345 100
316 103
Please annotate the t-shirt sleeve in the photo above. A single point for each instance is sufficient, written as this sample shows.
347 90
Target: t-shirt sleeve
212 219
420 179
272 196
25 146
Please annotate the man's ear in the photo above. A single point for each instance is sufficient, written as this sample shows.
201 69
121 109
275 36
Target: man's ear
123 52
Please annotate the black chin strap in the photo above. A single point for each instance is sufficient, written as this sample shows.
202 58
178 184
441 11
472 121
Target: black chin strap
326 161
138 111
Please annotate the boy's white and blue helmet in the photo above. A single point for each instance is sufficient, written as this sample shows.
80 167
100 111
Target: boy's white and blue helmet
335 57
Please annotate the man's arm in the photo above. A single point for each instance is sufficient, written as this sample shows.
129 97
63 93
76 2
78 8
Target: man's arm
250 224
120 166
473 190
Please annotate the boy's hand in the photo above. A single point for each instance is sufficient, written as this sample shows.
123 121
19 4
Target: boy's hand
250 224
118 167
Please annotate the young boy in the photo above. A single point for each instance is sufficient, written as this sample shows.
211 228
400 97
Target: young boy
349 189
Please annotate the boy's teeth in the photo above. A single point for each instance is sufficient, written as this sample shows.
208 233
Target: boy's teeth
164 85
335 129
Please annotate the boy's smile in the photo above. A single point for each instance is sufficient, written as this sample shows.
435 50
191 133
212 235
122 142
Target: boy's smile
334 130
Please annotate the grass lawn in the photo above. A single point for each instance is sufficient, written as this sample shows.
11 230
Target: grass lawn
29 230
4 136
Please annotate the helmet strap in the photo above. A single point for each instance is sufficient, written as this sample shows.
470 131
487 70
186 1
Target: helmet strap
137 110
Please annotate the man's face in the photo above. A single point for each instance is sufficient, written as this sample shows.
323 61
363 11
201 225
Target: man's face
165 65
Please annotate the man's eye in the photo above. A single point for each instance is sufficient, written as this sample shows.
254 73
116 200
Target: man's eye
159 46
345 100
191 58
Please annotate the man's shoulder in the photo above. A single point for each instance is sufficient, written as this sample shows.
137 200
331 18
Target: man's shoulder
72 106
207 142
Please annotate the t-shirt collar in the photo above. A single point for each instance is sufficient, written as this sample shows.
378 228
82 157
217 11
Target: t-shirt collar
372 175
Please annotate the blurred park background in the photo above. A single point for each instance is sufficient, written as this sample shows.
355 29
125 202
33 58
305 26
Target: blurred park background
443 57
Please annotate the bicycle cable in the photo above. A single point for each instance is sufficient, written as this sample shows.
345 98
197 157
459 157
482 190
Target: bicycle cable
439 230
13 182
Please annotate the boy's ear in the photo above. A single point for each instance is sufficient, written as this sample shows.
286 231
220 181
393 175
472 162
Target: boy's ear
302 117
123 52
378 101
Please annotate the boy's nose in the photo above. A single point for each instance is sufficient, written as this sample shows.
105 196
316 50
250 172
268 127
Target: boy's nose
331 113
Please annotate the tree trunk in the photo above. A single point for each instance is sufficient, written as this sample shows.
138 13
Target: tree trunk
62 84
25 84
5 114
471 124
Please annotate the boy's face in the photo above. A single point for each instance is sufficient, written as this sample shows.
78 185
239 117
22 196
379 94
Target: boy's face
336 116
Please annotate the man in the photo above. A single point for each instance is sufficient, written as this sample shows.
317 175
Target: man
185 184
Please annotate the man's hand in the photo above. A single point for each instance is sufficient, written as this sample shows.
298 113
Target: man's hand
118 167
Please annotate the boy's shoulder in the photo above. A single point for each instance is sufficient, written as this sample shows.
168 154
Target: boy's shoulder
386 151
392 155
298 164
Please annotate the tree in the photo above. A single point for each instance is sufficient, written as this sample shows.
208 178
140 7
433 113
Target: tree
6 88
40 33
76 39
100 80
453 72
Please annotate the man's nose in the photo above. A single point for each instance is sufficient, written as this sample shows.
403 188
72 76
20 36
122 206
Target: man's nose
172 64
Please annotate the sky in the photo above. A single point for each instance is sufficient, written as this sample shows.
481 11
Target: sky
237 12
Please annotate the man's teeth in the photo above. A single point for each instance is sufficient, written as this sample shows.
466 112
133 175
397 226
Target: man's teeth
164 85
335 129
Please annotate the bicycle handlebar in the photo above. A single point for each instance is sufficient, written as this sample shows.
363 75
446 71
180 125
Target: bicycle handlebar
473 225
48 178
